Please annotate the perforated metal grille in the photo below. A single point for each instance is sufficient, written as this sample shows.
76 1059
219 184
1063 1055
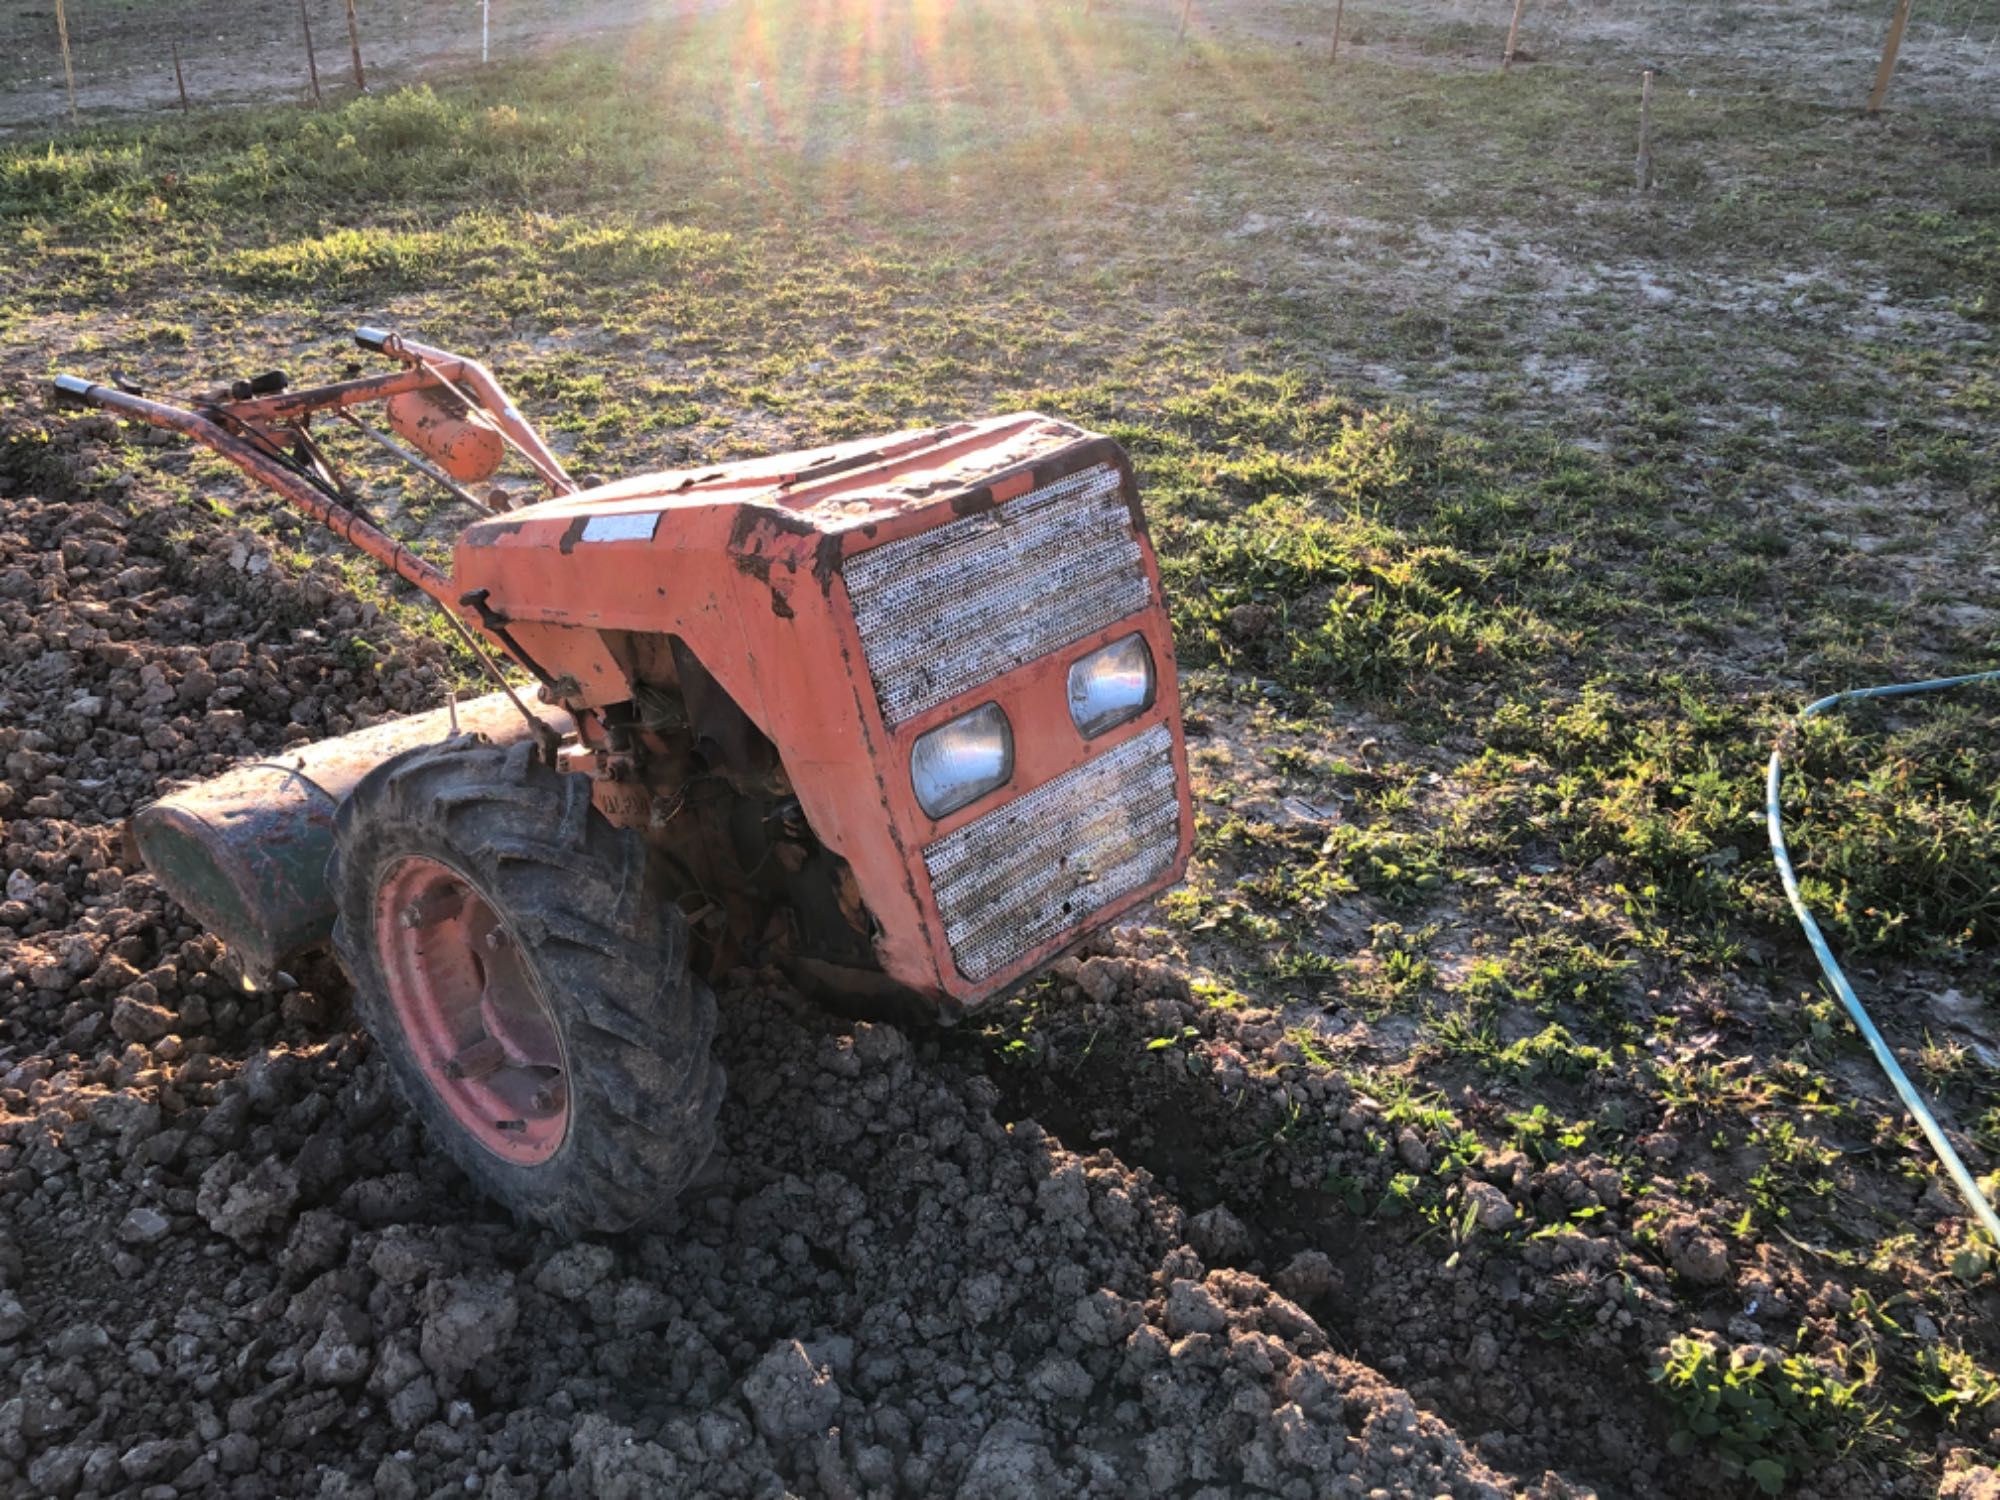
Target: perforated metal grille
978 597
1044 863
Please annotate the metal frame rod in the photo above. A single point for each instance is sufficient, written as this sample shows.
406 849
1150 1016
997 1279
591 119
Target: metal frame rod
260 466
549 741
289 405
251 435
422 466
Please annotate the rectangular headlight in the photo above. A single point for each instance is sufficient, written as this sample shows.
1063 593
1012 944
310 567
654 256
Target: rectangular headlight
1111 685
956 764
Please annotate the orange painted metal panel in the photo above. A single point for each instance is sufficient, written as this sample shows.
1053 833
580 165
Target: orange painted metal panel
744 563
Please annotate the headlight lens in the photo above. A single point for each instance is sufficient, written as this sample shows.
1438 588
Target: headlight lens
1111 685
960 762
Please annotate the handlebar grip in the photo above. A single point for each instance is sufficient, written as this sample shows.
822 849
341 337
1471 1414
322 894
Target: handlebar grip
374 340
72 390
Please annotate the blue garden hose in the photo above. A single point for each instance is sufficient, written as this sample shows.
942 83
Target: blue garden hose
1968 1189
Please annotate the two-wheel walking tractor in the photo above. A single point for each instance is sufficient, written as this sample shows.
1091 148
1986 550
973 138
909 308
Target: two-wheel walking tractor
898 714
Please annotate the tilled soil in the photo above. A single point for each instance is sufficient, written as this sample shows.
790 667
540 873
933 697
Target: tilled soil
229 1264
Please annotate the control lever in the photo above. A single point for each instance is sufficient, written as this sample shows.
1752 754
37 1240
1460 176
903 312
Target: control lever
270 383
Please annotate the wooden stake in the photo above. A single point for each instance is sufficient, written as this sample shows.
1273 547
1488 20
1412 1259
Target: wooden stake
1645 167
1889 50
180 78
1339 7
312 62
1513 33
354 46
485 31
1186 6
69 72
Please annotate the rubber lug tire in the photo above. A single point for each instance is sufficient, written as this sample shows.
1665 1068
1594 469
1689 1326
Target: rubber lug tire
612 959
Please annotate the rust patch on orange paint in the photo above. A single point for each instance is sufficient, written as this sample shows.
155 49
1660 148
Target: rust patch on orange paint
973 502
753 519
826 560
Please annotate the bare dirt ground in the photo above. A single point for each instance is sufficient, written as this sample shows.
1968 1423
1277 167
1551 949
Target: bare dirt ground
1247 1201
1819 51
122 51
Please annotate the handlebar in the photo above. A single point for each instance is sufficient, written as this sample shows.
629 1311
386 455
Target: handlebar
72 390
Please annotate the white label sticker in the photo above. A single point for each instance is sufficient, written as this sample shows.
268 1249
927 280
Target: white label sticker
626 528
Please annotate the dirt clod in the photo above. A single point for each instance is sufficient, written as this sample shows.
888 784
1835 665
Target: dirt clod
1978 1482
246 1201
1696 1252
1490 1207
467 1321
790 1395
144 1226
1219 1237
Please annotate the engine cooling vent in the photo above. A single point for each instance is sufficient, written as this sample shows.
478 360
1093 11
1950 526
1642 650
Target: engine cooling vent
1041 865
951 608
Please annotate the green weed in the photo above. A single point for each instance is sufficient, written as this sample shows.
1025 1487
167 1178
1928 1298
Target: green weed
1768 1421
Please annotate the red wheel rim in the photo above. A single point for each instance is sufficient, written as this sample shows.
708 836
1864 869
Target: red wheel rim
472 1010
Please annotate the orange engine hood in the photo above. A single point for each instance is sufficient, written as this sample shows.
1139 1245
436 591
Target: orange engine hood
745 564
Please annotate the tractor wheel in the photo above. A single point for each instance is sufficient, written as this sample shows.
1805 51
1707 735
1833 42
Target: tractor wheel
529 990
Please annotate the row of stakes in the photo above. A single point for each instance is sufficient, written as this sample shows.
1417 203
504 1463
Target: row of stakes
312 56
1884 71
1898 24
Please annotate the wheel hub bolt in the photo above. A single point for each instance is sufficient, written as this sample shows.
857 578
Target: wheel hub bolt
434 907
482 1058
550 1097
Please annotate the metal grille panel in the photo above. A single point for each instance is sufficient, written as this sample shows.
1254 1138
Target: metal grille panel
1042 864
977 597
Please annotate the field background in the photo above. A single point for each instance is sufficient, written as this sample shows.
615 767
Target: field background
1507 510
